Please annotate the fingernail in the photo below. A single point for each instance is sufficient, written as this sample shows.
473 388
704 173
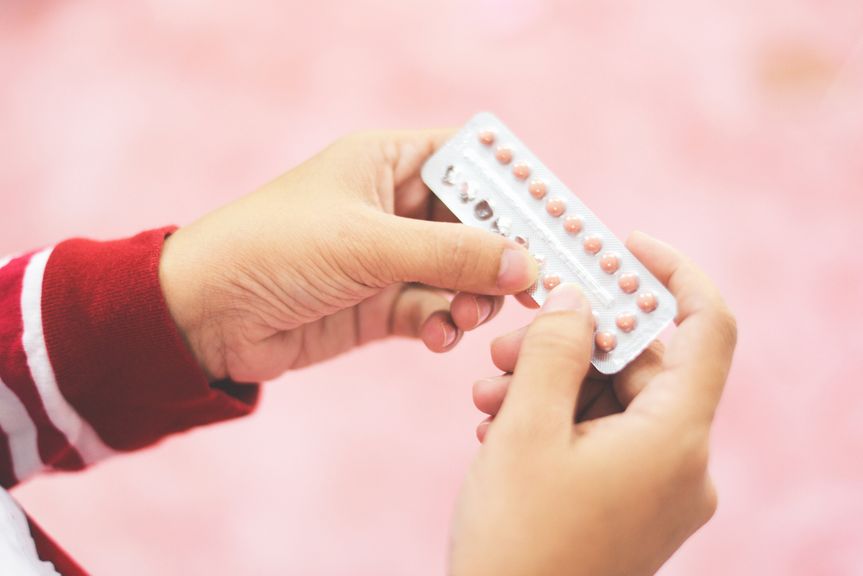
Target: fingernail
449 333
515 269
565 297
483 310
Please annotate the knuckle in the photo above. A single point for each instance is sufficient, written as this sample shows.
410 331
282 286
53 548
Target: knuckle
456 258
710 500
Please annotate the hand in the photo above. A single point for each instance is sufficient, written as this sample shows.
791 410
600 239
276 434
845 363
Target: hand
326 258
581 474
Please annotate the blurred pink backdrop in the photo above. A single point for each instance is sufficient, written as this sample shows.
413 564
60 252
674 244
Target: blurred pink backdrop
732 129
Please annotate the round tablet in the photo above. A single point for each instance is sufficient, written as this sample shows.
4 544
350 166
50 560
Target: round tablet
503 155
647 301
537 189
592 244
555 207
605 341
609 262
521 170
626 321
487 137
550 281
628 282
573 224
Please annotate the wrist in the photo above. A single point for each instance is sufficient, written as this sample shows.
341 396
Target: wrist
180 290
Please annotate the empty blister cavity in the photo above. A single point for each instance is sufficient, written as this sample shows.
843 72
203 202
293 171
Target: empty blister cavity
483 210
490 180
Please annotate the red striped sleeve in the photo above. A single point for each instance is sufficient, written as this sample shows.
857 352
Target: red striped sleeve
91 362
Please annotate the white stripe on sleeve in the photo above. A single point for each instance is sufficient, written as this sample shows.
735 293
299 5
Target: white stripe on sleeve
79 432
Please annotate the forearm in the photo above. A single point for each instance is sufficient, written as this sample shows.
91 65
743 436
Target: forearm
91 362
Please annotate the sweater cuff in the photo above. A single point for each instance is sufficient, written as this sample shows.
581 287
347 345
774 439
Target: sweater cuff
118 357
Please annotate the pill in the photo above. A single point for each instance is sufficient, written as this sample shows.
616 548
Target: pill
522 241
503 155
609 262
555 207
487 137
483 210
537 189
605 341
628 282
592 244
550 281
646 301
521 170
572 224
626 321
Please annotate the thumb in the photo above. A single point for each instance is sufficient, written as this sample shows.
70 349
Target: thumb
454 257
552 364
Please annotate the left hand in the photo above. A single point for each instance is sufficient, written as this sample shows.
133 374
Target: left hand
346 248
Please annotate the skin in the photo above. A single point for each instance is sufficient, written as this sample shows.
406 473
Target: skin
346 248
582 473
351 247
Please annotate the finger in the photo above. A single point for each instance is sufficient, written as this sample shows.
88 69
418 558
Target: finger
526 300
422 313
699 354
604 404
482 429
630 381
452 256
488 393
472 310
552 363
504 349
403 152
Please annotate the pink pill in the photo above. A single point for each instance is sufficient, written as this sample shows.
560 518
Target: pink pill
628 282
503 155
550 281
609 262
573 224
626 321
555 207
538 189
521 170
605 341
487 137
647 301
592 244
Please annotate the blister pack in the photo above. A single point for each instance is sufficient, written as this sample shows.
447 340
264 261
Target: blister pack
490 180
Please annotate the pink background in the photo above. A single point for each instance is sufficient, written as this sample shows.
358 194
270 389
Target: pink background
733 129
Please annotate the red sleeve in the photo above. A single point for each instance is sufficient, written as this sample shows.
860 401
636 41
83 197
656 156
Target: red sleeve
91 362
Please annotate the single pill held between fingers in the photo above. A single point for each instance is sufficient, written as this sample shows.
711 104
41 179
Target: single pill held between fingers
609 262
487 137
592 244
550 281
626 321
647 301
628 282
537 189
503 155
572 224
605 341
521 171
555 207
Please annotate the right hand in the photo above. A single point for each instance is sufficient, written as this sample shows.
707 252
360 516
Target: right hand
615 487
